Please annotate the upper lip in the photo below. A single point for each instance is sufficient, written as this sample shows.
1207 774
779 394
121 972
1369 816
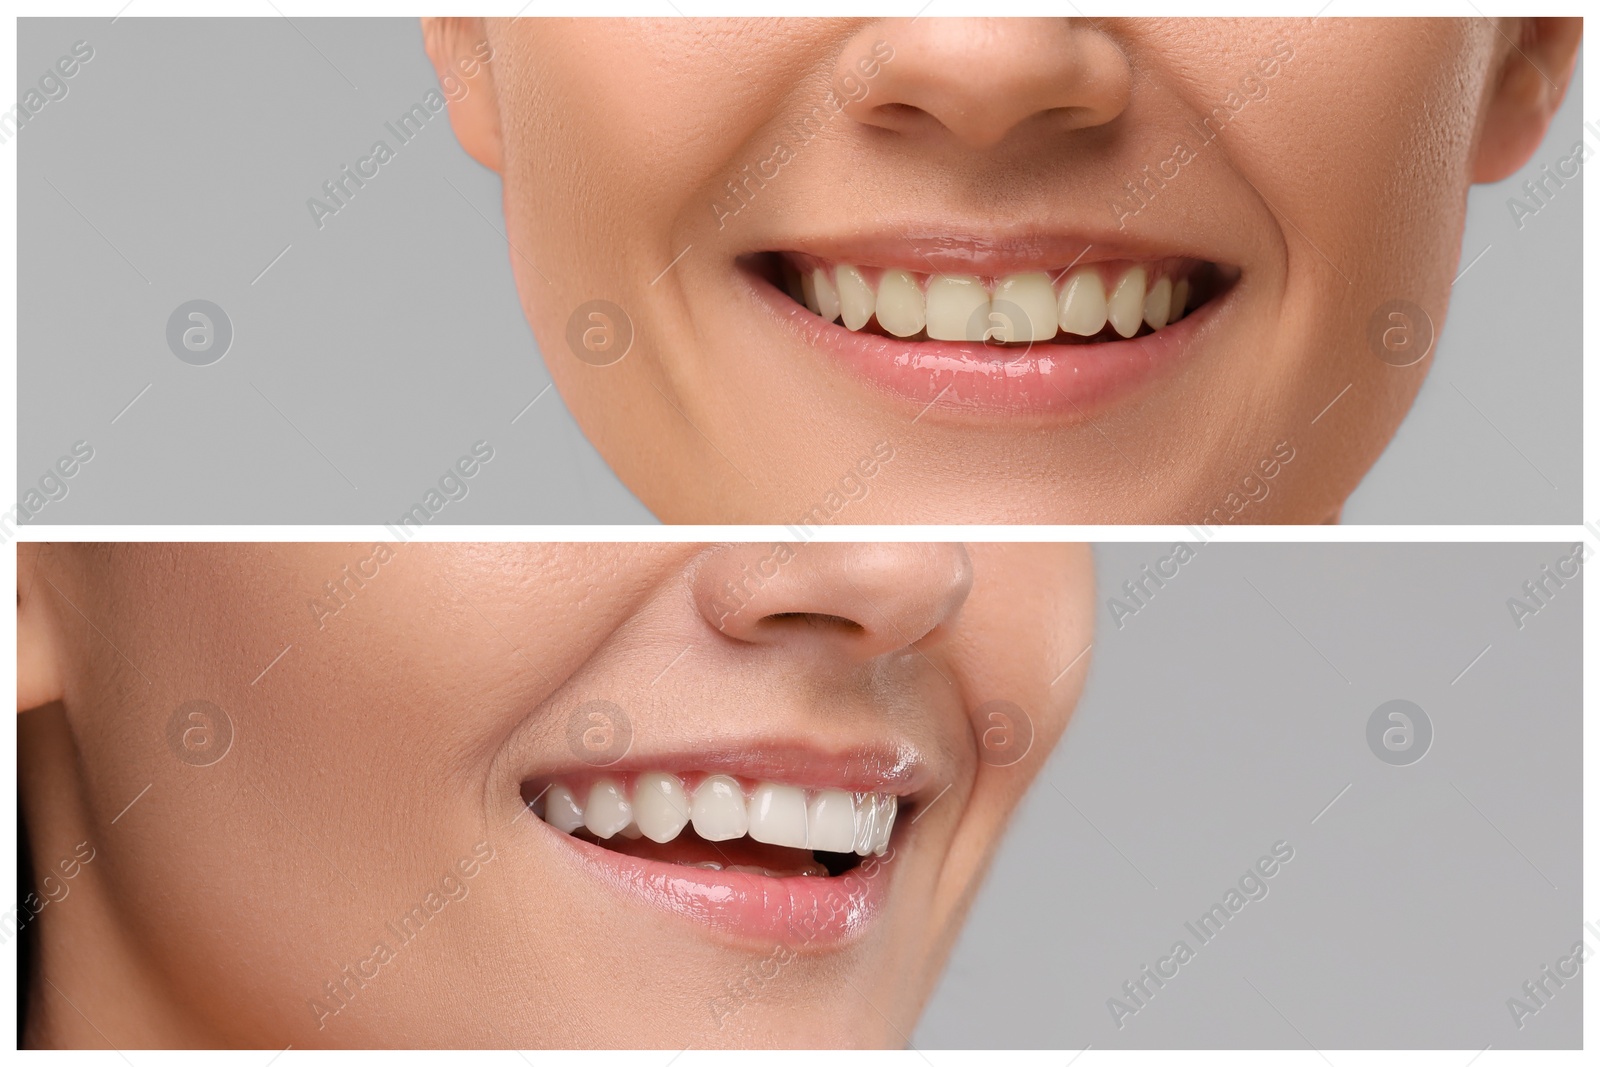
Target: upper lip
898 768
927 249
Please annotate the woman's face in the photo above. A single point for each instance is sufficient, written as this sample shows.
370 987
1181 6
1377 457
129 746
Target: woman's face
795 236
329 749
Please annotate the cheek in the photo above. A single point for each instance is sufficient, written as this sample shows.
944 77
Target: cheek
1025 635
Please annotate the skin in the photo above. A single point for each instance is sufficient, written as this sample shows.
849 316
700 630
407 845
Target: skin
1342 188
383 747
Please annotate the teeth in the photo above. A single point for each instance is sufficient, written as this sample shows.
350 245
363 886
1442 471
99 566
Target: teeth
1021 308
561 809
958 308
1082 309
866 835
831 821
607 810
826 295
900 307
856 302
778 815
887 806
660 805
1025 307
824 820
1158 304
718 809
1125 305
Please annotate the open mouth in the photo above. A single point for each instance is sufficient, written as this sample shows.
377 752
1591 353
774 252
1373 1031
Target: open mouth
1095 303
983 331
720 822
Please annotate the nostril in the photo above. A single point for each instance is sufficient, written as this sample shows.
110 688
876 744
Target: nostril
814 619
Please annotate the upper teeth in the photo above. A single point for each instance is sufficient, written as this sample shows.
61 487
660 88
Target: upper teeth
660 805
1017 308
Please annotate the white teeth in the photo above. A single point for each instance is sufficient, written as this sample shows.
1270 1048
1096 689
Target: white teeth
831 821
608 809
718 809
900 306
1125 305
827 296
824 820
866 835
856 302
1082 308
660 805
1025 308
887 807
1158 304
778 815
1021 309
958 308
561 809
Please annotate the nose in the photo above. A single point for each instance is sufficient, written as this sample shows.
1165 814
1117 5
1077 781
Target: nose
861 600
977 82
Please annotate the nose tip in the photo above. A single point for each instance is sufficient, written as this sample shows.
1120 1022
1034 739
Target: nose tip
861 600
979 82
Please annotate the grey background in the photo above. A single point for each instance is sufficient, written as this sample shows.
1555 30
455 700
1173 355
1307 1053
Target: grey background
378 349
1225 716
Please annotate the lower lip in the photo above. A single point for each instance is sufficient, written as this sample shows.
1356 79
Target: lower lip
959 378
796 912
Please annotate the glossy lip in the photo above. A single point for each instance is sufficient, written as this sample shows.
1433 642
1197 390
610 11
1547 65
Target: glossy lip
925 252
749 909
966 378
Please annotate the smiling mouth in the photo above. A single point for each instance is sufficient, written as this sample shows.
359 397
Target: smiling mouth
1095 303
719 822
